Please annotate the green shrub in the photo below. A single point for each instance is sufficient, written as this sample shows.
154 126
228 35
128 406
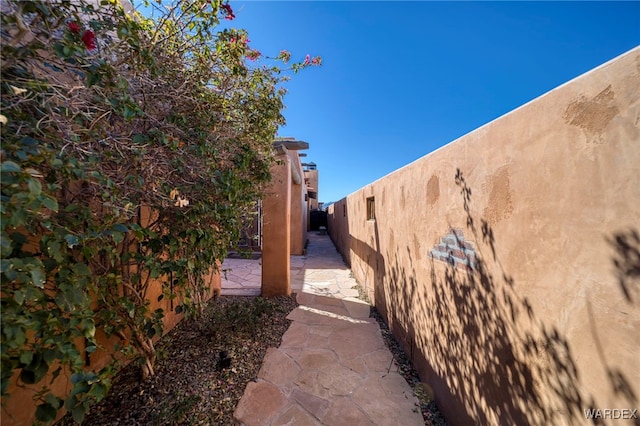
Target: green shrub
130 149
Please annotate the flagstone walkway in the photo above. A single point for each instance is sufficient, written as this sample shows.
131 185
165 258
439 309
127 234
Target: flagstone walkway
332 367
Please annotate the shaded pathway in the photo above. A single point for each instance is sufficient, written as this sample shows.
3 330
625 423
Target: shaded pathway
332 367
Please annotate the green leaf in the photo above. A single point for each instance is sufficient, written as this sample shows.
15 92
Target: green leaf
26 357
123 32
46 412
50 203
139 139
129 113
55 250
18 219
35 187
34 372
38 276
99 391
9 167
91 377
53 400
78 413
72 240
58 48
150 330
80 387
29 141
5 245
77 378
118 237
120 227
11 274
19 297
49 356
81 269
93 78
88 328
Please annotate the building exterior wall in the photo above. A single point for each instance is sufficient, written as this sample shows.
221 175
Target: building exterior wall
506 263
311 178
284 220
276 230
299 207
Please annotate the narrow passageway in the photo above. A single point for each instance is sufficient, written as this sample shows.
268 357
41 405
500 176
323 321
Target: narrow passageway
320 271
332 367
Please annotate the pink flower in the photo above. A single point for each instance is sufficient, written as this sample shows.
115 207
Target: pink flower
316 61
285 56
89 40
307 60
253 55
244 40
74 27
227 11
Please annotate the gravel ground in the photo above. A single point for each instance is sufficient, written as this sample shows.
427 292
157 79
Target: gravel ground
193 387
190 387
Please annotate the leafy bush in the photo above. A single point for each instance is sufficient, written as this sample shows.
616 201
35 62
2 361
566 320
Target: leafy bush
130 149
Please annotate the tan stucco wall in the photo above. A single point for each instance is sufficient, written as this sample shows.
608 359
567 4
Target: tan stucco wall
276 230
311 176
547 199
298 207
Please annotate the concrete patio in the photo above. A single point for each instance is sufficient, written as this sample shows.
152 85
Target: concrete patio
332 367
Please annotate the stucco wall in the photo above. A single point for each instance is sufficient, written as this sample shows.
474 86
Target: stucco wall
299 206
276 229
508 262
311 178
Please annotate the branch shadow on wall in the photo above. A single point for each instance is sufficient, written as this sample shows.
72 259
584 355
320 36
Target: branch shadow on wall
626 267
490 358
372 282
626 262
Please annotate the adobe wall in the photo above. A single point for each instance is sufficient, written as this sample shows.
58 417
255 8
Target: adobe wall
311 176
276 229
299 206
507 263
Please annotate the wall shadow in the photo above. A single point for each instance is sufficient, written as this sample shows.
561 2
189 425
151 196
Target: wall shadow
626 262
476 339
488 356
374 274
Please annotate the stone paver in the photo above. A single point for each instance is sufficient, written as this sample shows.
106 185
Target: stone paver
241 277
332 366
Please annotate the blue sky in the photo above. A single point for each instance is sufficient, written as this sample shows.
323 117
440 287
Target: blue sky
401 79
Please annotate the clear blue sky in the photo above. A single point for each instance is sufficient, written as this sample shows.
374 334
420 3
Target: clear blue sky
401 79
